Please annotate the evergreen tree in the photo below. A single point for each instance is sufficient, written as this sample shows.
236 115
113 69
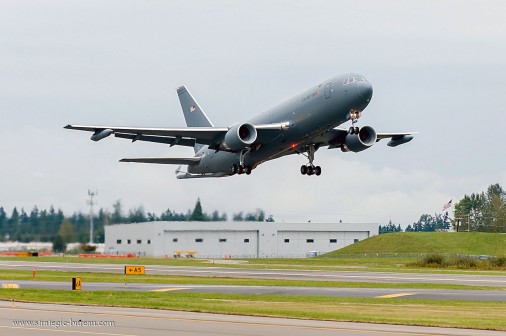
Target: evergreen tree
117 214
238 217
137 215
58 244
66 232
197 214
13 225
3 223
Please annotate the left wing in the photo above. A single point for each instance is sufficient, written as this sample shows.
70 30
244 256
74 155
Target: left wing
396 139
336 138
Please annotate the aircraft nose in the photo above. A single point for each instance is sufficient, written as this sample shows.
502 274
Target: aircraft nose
365 90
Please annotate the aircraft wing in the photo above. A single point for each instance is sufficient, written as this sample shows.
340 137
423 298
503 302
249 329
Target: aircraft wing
336 137
183 136
204 135
180 161
396 139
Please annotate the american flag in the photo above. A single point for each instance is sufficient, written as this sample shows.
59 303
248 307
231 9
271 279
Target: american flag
447 205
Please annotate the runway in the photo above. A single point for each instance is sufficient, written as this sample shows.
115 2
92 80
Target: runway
51 319
435 294
311 275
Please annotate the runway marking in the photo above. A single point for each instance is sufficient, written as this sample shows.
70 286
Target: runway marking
390 296
10 286
67 331
167 289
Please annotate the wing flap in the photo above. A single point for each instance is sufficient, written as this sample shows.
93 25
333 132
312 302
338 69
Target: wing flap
179 161
172 141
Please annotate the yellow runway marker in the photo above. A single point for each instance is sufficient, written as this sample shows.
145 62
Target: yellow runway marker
167 289
391 296
10 286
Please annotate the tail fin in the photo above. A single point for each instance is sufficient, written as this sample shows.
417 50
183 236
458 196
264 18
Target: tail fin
193 113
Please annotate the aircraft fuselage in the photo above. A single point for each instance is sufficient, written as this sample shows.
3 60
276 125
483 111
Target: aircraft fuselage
310 115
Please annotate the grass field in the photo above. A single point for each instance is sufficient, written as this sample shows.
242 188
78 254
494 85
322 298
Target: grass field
462 314
471 243
13 275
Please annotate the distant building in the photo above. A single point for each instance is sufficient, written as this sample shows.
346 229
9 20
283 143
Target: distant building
234 239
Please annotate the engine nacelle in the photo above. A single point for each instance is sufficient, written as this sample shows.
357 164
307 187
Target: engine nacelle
365 138
99 135
399 140
239 137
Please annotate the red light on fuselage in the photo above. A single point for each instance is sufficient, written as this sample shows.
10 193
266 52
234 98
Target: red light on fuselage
293 145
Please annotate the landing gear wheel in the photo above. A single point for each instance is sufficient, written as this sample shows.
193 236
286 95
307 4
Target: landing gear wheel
234 169
351 130
240 170
303 170
247 170
357 130
310 170
317 170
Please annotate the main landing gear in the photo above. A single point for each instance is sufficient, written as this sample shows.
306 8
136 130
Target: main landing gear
310 168
241 168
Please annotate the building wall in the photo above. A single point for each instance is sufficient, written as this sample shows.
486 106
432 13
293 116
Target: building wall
237 239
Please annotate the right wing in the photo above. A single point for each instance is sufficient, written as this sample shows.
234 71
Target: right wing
203 135
184 136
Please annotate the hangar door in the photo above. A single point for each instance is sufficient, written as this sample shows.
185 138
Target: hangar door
212 244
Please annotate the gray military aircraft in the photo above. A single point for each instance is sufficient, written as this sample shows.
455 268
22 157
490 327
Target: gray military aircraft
301 124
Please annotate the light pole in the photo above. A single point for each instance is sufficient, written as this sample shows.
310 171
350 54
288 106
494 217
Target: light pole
90 202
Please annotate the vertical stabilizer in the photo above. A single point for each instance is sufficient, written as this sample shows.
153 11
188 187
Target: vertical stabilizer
193 113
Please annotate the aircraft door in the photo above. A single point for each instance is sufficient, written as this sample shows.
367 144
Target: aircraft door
328 90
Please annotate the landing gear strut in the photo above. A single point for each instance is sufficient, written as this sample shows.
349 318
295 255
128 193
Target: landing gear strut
310 168
354 115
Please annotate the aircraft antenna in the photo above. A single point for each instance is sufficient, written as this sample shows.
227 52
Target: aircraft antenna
92 194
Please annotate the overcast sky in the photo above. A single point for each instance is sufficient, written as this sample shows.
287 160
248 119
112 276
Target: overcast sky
437 67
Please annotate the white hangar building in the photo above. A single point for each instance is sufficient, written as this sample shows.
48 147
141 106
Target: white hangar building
234 239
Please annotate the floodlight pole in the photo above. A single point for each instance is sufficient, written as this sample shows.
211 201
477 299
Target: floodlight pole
90 202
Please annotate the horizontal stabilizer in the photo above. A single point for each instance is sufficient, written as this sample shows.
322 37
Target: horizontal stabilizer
180 161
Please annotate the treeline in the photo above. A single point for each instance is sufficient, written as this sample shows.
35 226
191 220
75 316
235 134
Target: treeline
484 212
48 225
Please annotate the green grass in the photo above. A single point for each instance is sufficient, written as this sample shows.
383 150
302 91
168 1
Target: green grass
462 314
349 263
13 275
471 243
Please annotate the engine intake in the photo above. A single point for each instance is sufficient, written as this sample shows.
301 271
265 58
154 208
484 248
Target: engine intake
365 138
239 137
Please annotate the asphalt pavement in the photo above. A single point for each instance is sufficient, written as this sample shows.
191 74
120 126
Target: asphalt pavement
27 319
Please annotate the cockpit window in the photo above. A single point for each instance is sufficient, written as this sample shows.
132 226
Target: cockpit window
350 80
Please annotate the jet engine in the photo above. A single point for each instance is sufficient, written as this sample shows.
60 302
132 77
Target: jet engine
365 138
100 134
239 137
